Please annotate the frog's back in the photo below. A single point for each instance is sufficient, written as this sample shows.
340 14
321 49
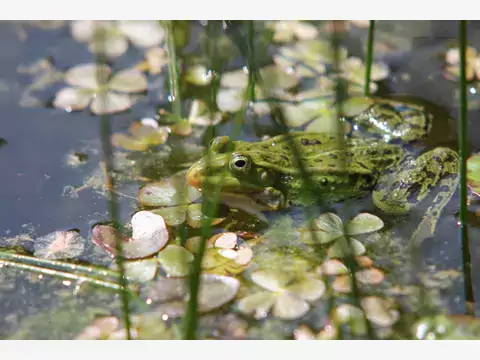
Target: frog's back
321 153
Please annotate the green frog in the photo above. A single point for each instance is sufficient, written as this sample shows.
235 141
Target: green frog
268 171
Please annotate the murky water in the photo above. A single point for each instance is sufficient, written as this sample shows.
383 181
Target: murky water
35 172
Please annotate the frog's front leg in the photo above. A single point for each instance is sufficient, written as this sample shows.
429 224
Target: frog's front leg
270 197
401 188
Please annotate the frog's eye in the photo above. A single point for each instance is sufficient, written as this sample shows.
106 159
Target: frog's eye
323 181
240 164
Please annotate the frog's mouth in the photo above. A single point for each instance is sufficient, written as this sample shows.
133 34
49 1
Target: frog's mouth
236 190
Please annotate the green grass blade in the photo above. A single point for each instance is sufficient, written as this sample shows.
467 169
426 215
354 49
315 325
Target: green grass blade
112 203
463 137
369 57
172 67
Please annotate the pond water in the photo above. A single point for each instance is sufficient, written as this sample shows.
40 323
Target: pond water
37 177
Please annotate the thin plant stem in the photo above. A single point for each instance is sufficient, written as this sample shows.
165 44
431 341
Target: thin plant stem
58 265
112 203
463 137
350 260
172 68
64 275
251 80
369 57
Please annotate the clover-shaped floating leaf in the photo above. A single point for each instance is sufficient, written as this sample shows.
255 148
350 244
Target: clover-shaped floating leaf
59 245
149 236
110 37
473 173
92 84
288 298
174 260
145 133
329 227
214 291
232 95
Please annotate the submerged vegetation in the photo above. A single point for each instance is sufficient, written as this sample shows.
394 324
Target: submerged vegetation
262 182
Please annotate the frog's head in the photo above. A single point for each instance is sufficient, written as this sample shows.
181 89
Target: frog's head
233 167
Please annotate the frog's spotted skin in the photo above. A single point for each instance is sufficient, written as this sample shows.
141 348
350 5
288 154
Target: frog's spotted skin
268 173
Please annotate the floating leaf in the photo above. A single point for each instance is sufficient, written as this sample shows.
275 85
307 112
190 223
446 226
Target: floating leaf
86 75
330 223
141 270
332 267
320 237
105 237
110 103
230 100
364 223
173 215
142 33
128 80
175 260
100 328
168 192
370 276
109 43
379 311
289 307
353 316
128 142
215 291
198 75
156 59
310 289
473 173
149 235
258 304
59 245
71 99
343 248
